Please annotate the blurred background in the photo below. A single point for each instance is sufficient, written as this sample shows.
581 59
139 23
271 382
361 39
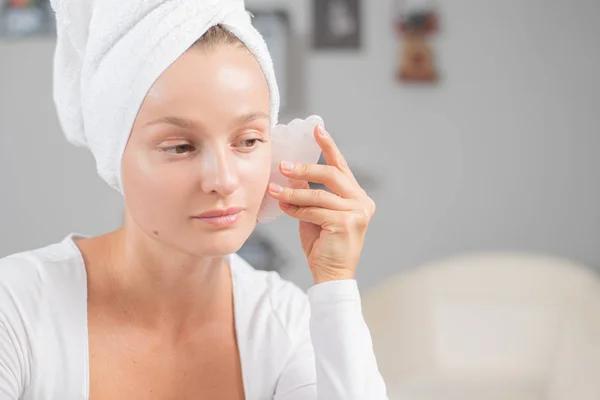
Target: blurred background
474 125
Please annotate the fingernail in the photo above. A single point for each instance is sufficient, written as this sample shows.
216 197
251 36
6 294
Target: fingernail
323 132
287 166
275 188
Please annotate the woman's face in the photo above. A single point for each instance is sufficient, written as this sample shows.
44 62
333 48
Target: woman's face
200 143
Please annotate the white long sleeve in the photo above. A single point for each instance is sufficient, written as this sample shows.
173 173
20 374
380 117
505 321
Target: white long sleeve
10 373
346 368
293 346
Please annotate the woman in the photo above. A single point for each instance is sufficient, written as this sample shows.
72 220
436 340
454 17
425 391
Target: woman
162 308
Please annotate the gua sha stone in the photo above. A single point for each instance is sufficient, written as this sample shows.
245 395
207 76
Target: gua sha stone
293 142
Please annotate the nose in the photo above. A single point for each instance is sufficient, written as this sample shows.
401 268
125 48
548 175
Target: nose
218 172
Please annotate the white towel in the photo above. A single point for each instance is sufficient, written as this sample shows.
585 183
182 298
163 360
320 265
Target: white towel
110 52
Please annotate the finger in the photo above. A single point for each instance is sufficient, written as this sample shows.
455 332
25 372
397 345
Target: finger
299 184
328 220
315 215
332 154
334 179
310 198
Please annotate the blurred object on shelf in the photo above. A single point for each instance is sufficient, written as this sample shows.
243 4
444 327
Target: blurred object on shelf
24 18
337 24
262 253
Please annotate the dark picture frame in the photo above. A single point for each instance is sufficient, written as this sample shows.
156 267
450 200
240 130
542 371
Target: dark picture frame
337 24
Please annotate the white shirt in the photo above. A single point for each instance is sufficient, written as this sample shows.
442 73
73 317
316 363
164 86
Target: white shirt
292 346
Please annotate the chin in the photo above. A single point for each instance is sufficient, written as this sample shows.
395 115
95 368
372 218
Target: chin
218 243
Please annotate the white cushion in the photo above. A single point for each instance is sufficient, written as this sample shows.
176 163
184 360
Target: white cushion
466 389
488 326
576 367
491 337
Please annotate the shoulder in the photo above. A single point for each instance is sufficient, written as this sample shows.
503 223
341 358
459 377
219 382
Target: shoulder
268 292
41 291
33 281
30 271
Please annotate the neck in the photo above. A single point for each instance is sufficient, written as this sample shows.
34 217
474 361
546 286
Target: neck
158 286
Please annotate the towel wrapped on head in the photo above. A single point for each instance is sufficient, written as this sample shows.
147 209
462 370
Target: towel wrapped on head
109 53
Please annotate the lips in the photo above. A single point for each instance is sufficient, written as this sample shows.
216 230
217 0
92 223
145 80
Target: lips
217 213
221 218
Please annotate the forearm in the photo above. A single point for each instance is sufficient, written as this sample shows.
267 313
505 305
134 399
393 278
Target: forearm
345 362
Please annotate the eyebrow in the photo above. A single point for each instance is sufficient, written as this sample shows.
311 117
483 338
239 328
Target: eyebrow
188 123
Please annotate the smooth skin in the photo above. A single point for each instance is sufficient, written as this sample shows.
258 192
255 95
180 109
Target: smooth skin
333 224
160 300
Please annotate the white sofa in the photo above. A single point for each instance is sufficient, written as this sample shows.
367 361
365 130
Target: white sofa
489 327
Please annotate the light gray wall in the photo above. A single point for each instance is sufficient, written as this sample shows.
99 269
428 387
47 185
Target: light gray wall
501 155
47 187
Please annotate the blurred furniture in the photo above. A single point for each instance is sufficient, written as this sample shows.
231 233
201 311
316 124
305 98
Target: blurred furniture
489 326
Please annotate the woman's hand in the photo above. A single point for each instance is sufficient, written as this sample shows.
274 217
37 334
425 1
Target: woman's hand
332 225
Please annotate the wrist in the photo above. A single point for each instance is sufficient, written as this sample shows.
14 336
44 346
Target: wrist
323 277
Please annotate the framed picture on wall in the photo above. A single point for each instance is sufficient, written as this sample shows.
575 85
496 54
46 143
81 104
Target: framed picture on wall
274 26
22 18
337 24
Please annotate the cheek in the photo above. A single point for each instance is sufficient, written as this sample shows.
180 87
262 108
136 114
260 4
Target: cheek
255 175
150 191
145 174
